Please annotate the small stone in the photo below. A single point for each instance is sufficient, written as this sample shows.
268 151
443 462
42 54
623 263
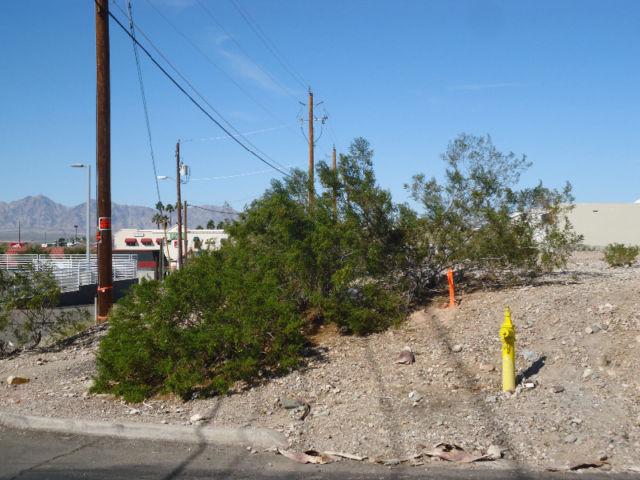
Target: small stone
571 438
557 388
576 421
291 403
603 456
529 385
596 327
486 367
196 418
456 348
15 380
133 411
588 330
494 452
587 373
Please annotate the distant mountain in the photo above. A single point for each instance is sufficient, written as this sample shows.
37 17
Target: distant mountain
39 216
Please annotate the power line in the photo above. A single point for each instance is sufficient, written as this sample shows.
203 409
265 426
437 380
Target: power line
194 101
268 43
219 68
224 137
244 51
234 213
198 94
144 101
224 177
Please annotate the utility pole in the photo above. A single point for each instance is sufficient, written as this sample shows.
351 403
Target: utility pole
335 193
186 242
19 233
311 160
103 161
179 205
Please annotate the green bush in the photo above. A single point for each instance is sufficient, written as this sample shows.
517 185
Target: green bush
477 219
618 255
241 313
28 298
207 326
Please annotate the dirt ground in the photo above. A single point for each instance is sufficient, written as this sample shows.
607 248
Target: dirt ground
578 344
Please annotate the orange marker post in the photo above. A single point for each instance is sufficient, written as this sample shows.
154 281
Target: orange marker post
452 295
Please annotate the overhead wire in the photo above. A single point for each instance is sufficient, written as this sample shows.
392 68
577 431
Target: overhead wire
175 69
218 67
253 151
144 102
233 213
231 37
269 44
194 101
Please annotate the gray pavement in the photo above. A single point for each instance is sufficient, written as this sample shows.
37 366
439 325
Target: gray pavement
43 455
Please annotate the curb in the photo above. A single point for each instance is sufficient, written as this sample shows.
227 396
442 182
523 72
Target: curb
250 436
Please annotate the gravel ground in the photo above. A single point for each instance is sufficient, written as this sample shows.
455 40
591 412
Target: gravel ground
578 343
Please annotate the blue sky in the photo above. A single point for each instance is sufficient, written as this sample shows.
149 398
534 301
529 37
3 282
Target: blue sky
556 80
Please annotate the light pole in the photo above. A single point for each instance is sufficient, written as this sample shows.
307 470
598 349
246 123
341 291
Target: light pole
88 214
75 240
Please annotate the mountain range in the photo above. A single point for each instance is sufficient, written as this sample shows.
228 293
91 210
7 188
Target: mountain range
40 218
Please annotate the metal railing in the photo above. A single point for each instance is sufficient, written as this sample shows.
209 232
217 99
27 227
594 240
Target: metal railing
72 271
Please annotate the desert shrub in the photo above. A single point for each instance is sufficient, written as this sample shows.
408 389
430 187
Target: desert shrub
240 313
28 298
479 220
206 327
618 254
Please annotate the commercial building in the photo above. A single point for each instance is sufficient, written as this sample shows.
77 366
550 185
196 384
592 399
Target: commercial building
146 244
605 223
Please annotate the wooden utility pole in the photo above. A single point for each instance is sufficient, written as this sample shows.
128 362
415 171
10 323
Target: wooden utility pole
335 193
179 205
186 241
311 160
103 161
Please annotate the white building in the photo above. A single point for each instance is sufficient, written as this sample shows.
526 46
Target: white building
146 243
605 223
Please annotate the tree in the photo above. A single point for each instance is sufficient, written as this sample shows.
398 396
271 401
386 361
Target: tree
169 209
158 219
199 227
211 225
160 207
479 219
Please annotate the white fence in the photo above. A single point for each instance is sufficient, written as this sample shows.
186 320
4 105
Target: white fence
72 271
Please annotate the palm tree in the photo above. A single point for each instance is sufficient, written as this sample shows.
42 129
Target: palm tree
159 207
211 225
169 209
158 218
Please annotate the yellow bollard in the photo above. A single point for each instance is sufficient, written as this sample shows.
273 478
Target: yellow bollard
508 338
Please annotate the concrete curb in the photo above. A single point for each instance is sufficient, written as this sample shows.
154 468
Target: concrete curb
250 436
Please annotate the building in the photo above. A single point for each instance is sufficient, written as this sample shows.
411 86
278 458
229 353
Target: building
146 244
605 223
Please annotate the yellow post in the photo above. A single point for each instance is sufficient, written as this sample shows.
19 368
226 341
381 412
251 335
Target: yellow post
508 338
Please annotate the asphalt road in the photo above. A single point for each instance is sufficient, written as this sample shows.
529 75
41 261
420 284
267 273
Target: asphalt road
38 455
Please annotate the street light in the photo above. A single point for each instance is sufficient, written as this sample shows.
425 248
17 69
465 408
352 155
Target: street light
87 239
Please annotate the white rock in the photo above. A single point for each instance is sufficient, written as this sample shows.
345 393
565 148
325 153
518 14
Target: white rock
196 418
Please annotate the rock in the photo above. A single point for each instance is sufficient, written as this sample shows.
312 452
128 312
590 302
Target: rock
486 367
571 438
456 348
596 327
530 355
587 373
415 396
406 356
557 388
133 411
15 380
197 418
494 452
291 403
576 421
588 330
